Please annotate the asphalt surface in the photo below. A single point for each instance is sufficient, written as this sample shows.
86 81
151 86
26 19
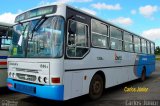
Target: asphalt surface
114 96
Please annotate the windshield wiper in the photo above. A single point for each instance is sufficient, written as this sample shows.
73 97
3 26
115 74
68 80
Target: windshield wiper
36 27
38 24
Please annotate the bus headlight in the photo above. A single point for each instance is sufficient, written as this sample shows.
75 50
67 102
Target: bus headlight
10 74
13 75
40 79
45 79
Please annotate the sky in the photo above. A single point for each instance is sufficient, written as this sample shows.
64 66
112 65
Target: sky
139 16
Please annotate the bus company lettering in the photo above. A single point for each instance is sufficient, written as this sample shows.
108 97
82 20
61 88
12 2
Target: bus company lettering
116 57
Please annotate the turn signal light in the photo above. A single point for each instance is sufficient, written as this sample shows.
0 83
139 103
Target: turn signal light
56 80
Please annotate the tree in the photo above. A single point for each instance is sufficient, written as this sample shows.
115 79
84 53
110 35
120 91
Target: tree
157 50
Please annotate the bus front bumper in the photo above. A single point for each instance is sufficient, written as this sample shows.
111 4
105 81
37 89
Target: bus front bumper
53 92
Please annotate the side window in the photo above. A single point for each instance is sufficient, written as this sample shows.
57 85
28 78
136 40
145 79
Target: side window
137 44
144 46
148 47
5 43
116 38
77 39
152 48
99 34
128 42
81 36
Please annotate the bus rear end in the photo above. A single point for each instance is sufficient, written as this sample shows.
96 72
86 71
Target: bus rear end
4 47
3 68
35 65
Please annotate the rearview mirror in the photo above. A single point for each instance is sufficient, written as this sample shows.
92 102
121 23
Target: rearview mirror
72 27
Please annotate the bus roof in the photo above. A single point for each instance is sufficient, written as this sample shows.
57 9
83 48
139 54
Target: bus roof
5 24
88 15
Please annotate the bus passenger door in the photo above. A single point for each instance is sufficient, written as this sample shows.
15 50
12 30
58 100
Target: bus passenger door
77 48
77 78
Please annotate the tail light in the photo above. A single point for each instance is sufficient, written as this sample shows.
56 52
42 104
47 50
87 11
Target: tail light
9 85
55 80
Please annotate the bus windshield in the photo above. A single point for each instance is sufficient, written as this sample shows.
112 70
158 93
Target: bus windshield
4 41
46 41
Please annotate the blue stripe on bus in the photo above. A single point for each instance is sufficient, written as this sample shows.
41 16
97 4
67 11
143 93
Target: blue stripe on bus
3 57
53 92
143 60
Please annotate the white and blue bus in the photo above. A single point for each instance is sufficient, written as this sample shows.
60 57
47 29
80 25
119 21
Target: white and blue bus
4 51
59 52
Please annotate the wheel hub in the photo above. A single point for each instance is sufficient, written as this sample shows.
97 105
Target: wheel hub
96 87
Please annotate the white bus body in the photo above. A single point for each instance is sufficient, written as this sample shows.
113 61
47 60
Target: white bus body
71 74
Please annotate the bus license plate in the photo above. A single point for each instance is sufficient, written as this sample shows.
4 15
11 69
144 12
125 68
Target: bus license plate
25 88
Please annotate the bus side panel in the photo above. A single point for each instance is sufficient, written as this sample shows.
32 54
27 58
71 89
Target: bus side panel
116 71
67 81
147 61
119 75
3 77
76 85
3 68
73 82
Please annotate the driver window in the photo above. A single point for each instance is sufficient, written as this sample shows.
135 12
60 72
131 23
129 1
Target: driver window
77 41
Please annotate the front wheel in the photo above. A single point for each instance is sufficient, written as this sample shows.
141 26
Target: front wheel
96 87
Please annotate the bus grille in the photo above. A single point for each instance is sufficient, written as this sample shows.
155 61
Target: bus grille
26 77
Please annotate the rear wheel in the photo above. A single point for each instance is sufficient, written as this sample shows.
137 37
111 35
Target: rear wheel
96 87
143 75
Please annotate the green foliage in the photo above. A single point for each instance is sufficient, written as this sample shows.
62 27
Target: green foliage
157 50
158 59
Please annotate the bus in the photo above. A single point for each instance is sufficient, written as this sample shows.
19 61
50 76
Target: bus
4 51
59 52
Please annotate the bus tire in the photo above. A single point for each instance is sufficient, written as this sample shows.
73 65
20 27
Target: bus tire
96 87
143 75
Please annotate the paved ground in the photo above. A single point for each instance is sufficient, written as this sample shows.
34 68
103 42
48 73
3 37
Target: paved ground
114 96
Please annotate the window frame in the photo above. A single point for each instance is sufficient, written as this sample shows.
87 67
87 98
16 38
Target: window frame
74 46
3 38
122 40
99 34
142 39
136 43
148 45
152 48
